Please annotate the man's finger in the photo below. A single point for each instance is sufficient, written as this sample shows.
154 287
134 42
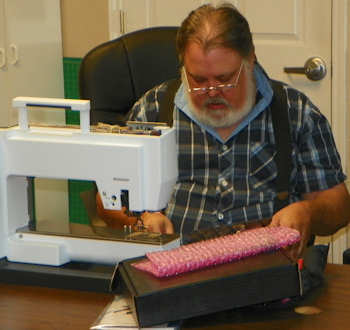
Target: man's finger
169 228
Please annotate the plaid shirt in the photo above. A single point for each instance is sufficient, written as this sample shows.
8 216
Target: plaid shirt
233 181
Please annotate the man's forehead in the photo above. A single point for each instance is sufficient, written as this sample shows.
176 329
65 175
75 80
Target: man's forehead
219 59
199 48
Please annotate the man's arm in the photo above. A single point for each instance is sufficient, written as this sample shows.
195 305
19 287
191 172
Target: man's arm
330 209
319 213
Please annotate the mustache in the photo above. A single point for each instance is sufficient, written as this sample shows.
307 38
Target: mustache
216 100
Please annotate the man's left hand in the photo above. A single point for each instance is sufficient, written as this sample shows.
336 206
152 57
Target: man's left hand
296 216
319 213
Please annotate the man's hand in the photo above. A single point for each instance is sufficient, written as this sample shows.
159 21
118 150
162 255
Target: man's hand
157 222
114 218
319 213
296 216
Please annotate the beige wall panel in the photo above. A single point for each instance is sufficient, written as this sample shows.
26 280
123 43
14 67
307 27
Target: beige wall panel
84 25
348 105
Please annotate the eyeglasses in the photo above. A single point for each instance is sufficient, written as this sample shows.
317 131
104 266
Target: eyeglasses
221 88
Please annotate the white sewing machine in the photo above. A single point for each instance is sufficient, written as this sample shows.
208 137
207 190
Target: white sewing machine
143 165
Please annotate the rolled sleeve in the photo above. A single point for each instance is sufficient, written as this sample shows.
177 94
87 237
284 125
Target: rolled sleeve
318 161
147 107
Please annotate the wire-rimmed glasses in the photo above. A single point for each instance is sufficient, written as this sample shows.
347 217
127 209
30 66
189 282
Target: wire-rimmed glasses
220 88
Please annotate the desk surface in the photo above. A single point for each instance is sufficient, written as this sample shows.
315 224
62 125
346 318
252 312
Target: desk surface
332 299
37 308
26 307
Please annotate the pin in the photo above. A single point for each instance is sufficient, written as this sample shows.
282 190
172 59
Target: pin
300 263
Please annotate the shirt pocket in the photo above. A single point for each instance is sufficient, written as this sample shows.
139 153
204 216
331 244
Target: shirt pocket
263 169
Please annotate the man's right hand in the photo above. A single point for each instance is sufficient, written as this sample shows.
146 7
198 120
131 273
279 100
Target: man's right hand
157 222
114 218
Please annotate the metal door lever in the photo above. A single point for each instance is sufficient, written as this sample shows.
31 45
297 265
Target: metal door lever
314 69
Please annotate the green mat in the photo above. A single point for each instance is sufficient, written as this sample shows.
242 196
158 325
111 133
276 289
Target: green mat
77 212
71 85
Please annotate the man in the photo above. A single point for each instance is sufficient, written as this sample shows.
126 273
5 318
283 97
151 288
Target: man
226 142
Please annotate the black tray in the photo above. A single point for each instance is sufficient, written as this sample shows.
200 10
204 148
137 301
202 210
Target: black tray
259 279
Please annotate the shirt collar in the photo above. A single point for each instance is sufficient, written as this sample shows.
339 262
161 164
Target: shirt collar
263 88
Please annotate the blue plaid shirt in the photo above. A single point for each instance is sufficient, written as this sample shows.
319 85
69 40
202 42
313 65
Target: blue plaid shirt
233 181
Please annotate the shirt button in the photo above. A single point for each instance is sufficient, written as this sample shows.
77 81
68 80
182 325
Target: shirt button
223 182
220 216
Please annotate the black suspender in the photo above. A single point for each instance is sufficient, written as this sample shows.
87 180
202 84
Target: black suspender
280 122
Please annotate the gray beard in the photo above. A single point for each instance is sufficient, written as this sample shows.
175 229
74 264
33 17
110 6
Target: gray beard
228 116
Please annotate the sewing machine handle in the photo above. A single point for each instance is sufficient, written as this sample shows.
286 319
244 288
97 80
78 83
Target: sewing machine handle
22 103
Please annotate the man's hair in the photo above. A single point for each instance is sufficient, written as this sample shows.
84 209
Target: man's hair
215 26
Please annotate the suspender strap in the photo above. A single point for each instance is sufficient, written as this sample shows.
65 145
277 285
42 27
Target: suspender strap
280 122
166 105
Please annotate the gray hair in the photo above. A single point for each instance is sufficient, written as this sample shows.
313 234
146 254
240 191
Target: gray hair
215 26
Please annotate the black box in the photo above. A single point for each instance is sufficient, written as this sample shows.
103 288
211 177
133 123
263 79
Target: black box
254 280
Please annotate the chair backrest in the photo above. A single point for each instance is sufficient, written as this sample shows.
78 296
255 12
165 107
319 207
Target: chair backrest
115 74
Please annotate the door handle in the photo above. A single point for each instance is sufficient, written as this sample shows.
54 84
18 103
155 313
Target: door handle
314 69
14 51
2 58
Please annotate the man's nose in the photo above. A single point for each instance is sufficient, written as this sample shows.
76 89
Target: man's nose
213 92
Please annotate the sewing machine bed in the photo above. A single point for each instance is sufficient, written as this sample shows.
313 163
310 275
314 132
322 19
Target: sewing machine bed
107 234
259 279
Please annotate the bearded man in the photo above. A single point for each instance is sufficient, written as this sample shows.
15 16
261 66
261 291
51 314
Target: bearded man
226 141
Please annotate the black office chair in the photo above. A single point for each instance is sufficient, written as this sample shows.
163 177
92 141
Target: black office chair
116 73
346 257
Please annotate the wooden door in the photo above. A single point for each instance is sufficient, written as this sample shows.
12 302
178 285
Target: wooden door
34 67
286 34
34 54
4 102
